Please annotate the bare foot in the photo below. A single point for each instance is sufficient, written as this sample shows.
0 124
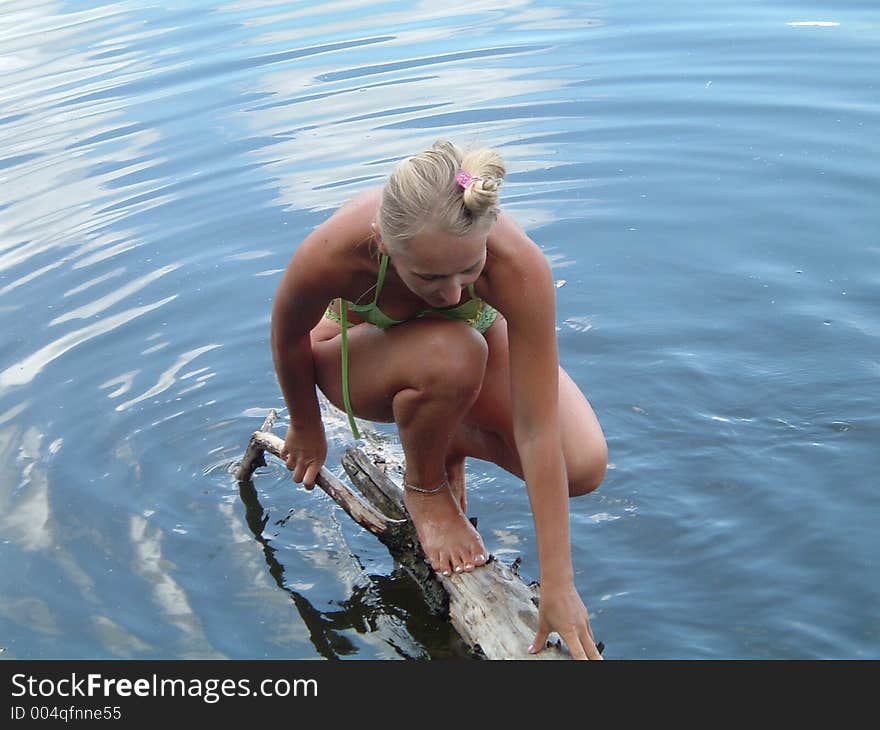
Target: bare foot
455 472
449 541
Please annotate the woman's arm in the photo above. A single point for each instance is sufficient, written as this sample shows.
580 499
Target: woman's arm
525 295
317 273
523 291
299 305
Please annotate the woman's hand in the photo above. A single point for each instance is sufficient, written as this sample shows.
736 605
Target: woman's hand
304 452
561 609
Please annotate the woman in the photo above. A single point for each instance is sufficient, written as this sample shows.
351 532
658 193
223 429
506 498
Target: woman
422 303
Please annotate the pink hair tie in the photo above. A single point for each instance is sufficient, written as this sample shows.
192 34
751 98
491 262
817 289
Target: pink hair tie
465 179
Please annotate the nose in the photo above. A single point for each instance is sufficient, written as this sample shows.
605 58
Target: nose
451 294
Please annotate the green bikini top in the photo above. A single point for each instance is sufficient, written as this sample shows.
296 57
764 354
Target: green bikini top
371 313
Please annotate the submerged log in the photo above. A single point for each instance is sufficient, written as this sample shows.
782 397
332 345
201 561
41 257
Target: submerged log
492 608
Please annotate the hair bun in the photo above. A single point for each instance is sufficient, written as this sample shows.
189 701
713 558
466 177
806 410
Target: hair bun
481 195
444 188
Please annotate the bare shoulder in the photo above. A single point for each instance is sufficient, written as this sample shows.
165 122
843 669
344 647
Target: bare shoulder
329 256
343 232
324 265
518 272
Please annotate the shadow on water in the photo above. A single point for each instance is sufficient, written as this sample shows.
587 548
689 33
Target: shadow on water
389 606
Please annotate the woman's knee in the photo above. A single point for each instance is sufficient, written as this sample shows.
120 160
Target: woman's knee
453 362
587 470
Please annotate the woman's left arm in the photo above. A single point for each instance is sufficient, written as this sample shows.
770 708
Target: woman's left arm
523 290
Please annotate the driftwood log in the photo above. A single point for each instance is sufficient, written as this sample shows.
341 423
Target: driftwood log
492 608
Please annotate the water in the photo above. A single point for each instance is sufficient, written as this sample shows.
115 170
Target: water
704 178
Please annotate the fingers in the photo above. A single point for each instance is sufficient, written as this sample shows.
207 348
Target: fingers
589 644
573 641
581 644
305 472
579 641
540 641
311 476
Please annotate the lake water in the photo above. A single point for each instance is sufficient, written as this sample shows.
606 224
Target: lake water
704 179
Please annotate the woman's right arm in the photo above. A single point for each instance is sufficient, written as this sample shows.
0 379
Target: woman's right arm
316 274
299 305
308 285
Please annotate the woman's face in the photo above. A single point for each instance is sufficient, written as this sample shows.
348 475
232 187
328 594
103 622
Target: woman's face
437 266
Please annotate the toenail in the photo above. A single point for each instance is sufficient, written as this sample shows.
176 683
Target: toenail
468 567
446 572
479 558
458 569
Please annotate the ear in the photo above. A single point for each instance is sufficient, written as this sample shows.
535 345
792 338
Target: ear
380 244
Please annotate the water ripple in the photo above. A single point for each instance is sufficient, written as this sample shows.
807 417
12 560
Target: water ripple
428 61
107 301
167 378
26 370
701 174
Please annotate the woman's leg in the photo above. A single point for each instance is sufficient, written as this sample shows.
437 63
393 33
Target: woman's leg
425 375
486 433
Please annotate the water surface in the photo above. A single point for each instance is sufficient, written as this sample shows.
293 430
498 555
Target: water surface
704 180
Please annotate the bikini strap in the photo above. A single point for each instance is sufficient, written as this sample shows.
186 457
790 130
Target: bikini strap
346 398
380 280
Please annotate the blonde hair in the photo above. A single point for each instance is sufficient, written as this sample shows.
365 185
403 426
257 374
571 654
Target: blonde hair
423 191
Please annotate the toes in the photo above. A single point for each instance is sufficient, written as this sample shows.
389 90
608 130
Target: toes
445 564
439 564
465 562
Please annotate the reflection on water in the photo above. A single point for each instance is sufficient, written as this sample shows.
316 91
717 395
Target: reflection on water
25 499
397 624
702 177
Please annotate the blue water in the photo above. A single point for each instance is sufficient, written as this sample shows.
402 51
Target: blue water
703 178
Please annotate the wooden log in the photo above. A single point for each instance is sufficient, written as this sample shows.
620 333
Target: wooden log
361 512
492 608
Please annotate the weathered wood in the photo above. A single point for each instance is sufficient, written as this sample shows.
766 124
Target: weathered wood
253 456
373 483
492 609
361 512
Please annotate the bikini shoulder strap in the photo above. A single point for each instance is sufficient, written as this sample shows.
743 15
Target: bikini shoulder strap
380 280
346 396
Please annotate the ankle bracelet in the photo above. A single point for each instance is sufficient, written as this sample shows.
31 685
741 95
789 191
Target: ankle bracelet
422 490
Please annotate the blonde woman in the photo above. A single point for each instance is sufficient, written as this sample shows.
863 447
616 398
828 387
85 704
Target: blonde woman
424 304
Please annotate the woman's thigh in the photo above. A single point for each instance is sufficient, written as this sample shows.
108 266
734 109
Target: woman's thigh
583 442
428 354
